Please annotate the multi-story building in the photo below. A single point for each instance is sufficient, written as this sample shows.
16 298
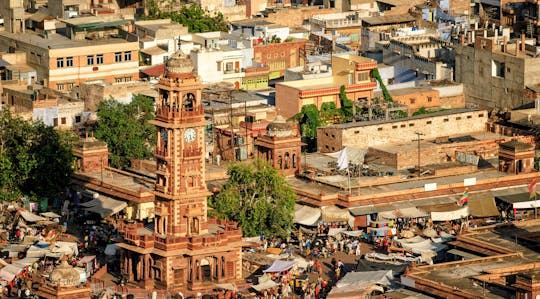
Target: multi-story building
158 39
105 53
280 56
35 103
429 57
496 71
351 71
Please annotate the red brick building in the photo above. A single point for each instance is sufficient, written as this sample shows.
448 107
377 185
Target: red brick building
186 252
281 147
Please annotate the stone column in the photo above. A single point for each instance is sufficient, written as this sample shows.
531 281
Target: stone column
130 267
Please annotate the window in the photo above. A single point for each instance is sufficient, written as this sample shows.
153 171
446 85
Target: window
428 122
118 79
128 79
481 115
469 116
497 69
90 59
394 127
99 59
77 118
445 120
379 129
429 99
356 132
63 120
55 122
59 86
70 85
403 125
59 62
412 100
363 76
458 118
411 125
228 67
118 57
127 56
69 61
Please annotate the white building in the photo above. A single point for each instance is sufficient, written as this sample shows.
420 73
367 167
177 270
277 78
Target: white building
158 39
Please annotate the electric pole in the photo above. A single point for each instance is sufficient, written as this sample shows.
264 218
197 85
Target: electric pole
418 139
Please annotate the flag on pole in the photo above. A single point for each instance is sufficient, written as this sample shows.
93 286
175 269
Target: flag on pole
464 200
532 189
343 161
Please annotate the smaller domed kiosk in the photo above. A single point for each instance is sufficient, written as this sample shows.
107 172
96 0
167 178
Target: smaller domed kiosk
281 147
64 282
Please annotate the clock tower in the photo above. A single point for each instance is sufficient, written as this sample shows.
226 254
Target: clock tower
187 251
180 187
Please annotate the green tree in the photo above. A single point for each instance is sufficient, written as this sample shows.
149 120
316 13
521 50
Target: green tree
256 197
193 16
346 105
35 159
375 74
126 130
309 120
329 113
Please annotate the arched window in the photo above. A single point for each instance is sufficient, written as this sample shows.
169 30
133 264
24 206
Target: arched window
280 162
294 161
165 99
287 160
189 102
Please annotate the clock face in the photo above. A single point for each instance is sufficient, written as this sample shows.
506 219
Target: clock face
190 135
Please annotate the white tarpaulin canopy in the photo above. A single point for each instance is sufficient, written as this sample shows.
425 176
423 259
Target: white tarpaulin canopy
353 233
9 272
411 212
334 231
265 285
27 216
306 215
358 282
27 261
526 204
35 251
462 212
424 246
50 215
280 266
104 206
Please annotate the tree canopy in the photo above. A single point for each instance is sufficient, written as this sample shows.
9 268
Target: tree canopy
258 198
126 130
192 16
35 159
309 120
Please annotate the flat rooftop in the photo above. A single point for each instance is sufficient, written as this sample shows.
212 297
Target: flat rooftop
58 41
309 84
377 122
460 275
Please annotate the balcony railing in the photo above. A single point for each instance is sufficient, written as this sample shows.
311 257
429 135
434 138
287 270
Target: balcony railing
168 113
